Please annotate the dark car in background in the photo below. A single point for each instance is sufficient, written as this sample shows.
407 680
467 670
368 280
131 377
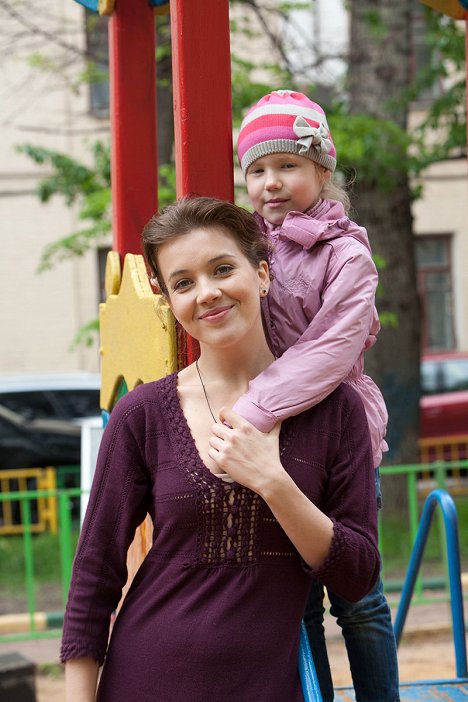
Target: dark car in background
444 390
40 418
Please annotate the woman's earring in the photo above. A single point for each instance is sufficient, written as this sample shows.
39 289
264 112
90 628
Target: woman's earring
263 292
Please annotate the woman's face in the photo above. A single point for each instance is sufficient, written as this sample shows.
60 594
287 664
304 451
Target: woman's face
214 290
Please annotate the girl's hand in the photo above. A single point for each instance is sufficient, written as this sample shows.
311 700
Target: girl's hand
247 455
252 459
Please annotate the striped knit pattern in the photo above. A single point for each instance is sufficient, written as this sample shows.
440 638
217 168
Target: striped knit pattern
268 128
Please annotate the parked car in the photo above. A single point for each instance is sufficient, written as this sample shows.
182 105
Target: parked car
444 401
40 418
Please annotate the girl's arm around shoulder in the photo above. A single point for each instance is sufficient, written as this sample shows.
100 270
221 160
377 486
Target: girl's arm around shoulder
344 325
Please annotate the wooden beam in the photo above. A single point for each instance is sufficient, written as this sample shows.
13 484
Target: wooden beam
202 98
133 121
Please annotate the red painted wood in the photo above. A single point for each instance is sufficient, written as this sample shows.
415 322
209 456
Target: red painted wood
133 121
201 65
202 98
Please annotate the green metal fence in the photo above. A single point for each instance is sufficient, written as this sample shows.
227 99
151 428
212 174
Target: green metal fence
420 479
33 624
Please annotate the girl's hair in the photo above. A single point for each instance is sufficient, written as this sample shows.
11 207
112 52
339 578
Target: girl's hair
333 190
191 213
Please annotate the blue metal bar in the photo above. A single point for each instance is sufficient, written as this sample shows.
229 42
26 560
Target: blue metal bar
447 505
307 673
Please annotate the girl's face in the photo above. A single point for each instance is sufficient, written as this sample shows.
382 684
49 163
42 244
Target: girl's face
282 183
214 290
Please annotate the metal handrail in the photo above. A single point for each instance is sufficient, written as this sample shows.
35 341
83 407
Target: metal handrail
450 519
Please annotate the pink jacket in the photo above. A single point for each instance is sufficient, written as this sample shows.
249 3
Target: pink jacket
320 317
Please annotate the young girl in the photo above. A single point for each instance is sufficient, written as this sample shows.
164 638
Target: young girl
213 613
320 317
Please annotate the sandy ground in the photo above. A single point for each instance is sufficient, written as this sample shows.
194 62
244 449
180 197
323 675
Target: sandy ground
423 658
426 652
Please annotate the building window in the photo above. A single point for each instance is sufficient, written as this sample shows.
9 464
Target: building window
433 260
97 54
422 56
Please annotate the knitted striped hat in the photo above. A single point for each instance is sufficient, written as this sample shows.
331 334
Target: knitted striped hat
285 122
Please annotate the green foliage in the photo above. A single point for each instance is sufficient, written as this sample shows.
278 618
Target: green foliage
166 185
45 551
442 86
245 90
86 186
86 335
75 244
93 73
42 62
375 149
70 178
375 23
396 546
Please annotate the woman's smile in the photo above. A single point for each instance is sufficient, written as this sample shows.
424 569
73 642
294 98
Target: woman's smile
216 314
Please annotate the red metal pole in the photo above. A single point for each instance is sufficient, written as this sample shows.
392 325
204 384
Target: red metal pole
133 121
202 98
201 67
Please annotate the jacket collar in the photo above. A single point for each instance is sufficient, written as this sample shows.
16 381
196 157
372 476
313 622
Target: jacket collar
326 220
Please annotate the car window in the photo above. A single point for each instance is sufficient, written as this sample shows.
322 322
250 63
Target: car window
432 379
39 427
29 405
456 374
59 404
76 403
448 375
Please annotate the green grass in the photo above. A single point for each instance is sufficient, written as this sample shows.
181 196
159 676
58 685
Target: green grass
46 559
51 670
396 546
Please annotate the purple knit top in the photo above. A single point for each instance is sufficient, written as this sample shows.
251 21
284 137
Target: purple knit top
213 613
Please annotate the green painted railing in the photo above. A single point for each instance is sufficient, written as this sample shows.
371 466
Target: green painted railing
34 624
438 471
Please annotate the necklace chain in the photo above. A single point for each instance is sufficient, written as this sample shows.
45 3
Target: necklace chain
204 391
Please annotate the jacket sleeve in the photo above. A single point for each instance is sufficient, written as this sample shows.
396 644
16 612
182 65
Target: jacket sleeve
327 350
117 505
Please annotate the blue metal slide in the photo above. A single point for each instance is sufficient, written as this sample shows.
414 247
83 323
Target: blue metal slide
453 690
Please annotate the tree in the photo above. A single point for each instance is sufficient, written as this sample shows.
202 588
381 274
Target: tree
378 77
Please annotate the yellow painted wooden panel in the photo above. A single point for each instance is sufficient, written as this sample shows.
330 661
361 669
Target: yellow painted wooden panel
452 8
138 335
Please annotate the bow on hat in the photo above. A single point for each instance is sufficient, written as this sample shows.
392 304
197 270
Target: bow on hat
311 136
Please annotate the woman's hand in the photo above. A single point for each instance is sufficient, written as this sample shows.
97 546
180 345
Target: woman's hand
247 455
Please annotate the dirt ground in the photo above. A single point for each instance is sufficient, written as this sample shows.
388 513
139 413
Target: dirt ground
421 657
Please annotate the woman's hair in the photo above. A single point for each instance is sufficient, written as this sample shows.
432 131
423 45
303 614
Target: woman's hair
191 213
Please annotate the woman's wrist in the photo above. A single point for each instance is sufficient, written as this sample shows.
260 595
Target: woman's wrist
274 484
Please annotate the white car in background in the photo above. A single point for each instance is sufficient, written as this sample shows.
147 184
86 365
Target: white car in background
41 417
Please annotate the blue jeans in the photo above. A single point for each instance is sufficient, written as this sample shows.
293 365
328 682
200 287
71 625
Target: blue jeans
368 633
367 629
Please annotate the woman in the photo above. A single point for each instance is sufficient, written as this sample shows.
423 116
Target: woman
242 520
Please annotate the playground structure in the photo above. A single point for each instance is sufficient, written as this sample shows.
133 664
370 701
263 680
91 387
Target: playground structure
136 345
